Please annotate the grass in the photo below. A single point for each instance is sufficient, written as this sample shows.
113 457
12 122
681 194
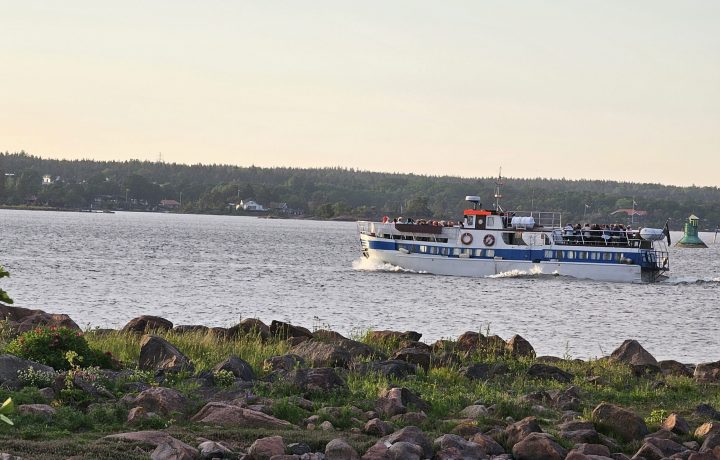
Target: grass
78 428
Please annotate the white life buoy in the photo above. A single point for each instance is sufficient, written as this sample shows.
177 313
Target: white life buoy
489 240
466 238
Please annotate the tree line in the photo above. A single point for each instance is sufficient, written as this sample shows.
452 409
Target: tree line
336 192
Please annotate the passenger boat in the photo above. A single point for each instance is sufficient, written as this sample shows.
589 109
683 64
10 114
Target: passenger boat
493 242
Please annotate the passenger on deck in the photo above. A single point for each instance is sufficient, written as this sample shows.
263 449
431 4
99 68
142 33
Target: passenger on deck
569 230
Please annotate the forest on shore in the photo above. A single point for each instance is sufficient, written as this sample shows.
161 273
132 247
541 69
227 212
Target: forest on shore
335 193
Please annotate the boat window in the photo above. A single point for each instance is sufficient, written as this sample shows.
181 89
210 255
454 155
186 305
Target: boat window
423 248
490 222
618 256
490 253
570 254
433 250
607 255
444 251
456 251
549 254
561 254
478 253
582 255
470 221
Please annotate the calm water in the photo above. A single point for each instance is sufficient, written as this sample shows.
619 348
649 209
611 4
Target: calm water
104 269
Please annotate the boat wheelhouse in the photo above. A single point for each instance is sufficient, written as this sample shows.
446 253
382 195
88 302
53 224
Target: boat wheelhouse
492 242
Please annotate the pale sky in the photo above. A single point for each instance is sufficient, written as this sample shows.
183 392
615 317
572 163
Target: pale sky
604 89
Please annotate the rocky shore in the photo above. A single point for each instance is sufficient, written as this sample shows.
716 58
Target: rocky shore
283 392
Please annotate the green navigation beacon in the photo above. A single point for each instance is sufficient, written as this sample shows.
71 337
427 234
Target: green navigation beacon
691 238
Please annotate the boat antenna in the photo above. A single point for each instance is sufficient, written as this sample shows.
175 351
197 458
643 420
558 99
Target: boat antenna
498 183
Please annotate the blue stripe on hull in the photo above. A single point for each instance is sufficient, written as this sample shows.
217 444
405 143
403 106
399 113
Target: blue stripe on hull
537 255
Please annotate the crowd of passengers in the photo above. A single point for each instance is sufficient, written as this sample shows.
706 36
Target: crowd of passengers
598 232
434 223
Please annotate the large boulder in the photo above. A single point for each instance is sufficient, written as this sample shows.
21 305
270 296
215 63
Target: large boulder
321 354
631 352
284 331
147 323
266 448
283 363
414 355
707 372
316 379
25 319
518 346
467 449
547 372
250 327
412 435
157 353
658 448
338 449
393 336
624 423
240 368
160 400
396 400
11 364
222 413
483 371
469 341
488 444
167 447
538 446
393 368
517 431
676 368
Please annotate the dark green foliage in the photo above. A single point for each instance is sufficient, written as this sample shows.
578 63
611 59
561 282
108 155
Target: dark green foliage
4 298
49 345
339 192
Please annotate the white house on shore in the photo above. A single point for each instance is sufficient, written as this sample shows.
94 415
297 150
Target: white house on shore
250 205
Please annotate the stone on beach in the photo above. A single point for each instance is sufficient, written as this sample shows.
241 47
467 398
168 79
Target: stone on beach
147 323
25 319
157 353
223 413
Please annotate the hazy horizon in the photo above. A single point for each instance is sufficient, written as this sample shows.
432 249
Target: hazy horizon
598 90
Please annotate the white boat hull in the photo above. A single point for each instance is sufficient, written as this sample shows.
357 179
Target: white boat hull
488 267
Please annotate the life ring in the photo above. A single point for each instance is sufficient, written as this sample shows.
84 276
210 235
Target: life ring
466 238
489 240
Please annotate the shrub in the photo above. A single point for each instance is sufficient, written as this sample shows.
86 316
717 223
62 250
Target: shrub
49 345
36 378
223 378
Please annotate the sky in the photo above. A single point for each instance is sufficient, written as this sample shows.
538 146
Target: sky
595 89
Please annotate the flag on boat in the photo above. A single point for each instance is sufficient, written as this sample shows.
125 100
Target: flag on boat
666 231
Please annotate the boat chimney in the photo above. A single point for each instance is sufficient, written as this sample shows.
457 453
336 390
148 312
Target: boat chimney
475 200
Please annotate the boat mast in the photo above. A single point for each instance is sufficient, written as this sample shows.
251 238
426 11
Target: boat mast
498 183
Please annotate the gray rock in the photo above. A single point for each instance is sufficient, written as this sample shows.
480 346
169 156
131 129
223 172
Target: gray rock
220 413
321 354
545 371
410 434
147 323
519 430
284 362
518 346
264 448
318 379
250 327
414 355
623 422
467 449
707 372
377 427
24 319
631 352
161 400
338 449
283 330
212 449
538 446
474 411
391 368
157 353
403 450
41 410
11 364
240 368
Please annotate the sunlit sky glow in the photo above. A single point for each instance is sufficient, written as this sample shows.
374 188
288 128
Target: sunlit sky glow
605 89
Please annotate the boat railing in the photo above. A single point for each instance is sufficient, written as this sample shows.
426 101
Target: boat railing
547 219
602 237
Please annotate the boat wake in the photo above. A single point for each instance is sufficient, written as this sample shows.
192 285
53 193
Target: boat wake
369 265
685 280
532 273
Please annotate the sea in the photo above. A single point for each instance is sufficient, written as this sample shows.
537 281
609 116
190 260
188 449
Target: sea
105 269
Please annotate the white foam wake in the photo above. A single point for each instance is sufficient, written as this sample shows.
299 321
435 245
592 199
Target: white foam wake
534 271
372 265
